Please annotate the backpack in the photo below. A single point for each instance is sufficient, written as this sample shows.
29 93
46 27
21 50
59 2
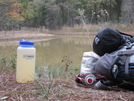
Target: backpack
115 68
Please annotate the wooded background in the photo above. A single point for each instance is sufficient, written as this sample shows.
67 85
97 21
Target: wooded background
54 14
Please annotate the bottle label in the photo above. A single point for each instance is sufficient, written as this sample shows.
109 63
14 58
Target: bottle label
28 56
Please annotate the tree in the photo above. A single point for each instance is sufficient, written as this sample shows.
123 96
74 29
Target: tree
118 9
97 10
5 7
53 14
14 13
128 11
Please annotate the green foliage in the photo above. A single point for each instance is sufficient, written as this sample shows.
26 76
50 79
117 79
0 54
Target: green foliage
45 91
63 70
4 2
95 8
10 17
67 62
26 8
54 14
8 62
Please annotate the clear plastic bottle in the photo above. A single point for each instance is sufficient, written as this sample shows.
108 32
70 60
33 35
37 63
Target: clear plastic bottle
26 54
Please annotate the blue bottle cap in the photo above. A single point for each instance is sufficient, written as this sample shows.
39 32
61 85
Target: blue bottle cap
25 43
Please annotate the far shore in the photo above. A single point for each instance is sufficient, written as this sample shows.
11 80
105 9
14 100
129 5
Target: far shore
44 35
37 35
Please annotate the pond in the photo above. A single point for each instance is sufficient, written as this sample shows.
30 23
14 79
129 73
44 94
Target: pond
65 51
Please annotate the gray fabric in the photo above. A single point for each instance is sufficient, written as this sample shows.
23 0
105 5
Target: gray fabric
100 85
105 64
127 66
126 54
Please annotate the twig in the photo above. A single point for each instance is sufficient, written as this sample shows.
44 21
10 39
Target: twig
122 98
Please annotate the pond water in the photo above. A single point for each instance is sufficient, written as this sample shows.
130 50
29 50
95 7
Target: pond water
55 52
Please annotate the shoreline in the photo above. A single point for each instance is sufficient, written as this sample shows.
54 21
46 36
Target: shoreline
8 36
43 35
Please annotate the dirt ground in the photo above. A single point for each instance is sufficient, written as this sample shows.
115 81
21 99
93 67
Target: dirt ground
56 90
15 35
53 89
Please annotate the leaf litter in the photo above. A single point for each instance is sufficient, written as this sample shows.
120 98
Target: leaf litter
56 90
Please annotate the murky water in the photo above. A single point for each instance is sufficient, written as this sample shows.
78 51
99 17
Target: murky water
54 52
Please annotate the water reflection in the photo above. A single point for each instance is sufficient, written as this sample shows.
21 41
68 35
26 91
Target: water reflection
51 52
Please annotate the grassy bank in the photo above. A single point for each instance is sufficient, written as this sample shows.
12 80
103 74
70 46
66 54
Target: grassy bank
35 33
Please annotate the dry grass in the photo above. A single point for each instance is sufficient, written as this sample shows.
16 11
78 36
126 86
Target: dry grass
93 29
32 33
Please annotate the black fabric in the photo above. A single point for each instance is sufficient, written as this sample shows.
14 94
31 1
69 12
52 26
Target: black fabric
107 40
121 72
130 39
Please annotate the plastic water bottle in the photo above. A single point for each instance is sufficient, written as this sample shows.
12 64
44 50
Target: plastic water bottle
26 54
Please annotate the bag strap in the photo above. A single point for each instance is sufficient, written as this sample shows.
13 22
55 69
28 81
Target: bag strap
126 53
102 86
103 83
124 33
127 66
